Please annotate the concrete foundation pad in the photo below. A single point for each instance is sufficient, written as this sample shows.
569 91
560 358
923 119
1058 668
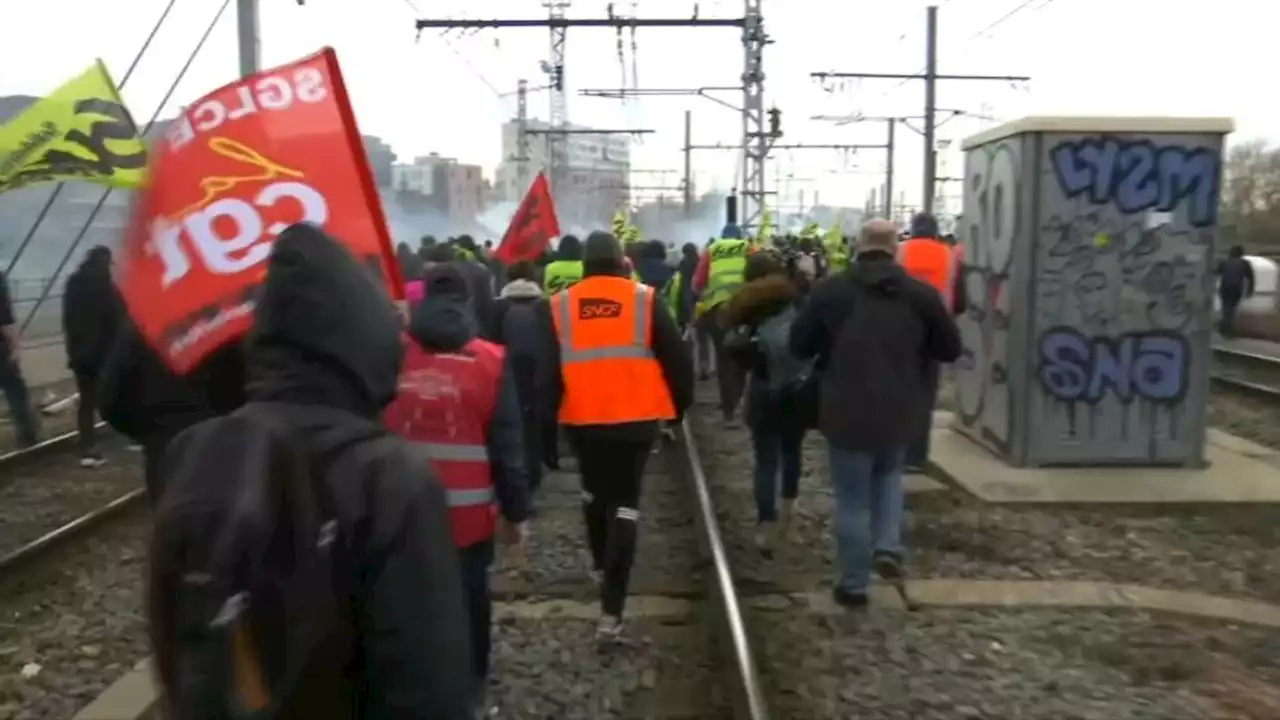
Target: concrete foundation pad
1239 472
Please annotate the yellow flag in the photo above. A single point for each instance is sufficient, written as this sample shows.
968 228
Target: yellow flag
765 235
811 230
834 236
620 225
81 131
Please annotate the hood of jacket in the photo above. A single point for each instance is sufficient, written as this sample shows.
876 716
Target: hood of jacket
521 289
325 330
879 273
654 272
757 300
442 323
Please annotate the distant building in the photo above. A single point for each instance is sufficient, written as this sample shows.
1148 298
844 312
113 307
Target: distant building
453 188
593 184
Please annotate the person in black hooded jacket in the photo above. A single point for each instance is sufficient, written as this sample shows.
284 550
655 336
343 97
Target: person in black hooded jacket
325 354
142 399
875 331
91 312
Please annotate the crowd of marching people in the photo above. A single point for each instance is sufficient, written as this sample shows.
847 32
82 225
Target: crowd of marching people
329 491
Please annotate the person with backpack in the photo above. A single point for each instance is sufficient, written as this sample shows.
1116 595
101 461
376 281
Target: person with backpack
458 405
781 395
521 323
301 559
875 332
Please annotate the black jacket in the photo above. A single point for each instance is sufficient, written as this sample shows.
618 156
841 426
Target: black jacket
522 323
481 289
326 336
442 323
142 399
671 353
874 330
91 313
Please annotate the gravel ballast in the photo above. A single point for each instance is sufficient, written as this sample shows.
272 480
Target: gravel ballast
47 493
73 624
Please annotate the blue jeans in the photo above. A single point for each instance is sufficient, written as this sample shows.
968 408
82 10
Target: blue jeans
869 500
777 449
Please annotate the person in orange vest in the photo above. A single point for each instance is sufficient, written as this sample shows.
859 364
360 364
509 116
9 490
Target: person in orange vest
457 403
927 257
624 369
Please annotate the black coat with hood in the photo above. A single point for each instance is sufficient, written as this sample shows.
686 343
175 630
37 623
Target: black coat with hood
443 322
521 322
326 346
754 303
669 349
875 330
687 268
91 313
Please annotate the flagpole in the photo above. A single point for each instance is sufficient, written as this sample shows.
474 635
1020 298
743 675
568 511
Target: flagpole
250 41
93 214
57 190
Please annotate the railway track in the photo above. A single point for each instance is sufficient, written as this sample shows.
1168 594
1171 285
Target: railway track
1252 373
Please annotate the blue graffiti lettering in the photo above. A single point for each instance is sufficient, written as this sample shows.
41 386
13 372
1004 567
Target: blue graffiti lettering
1135 366
1140 175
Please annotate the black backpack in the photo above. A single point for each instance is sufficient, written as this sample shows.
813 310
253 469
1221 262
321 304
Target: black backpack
253 576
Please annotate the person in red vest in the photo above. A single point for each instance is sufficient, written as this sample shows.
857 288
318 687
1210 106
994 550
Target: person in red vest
457 403
927 257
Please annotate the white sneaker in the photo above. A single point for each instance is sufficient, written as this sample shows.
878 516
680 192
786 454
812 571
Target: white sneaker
764 537
92 461
609 631
597 576
786 519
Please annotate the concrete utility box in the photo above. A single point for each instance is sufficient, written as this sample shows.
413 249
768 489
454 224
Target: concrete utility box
1088 248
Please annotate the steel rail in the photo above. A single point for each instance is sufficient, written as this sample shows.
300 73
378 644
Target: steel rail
54 538
1267 391
1246 355
48 446
749 695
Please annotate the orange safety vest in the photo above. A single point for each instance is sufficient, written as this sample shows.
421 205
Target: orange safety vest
933 262
610 374
444 406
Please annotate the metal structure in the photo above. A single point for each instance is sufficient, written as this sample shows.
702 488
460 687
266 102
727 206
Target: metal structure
522 135
755 141
556 145
931 77
249 40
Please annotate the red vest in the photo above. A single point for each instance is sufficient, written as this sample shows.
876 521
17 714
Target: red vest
444 406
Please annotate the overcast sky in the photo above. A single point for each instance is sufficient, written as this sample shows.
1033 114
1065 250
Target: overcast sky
1147 57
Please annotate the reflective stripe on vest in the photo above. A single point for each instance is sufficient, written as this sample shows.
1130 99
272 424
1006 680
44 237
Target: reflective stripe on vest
444 452
638 348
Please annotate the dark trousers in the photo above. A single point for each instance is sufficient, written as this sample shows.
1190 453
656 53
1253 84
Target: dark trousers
474 561
918 450
14 387
612 471
1230 303
87 411
776 446
730 376
153 472
531 419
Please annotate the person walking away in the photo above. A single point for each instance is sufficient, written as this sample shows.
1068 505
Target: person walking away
928 258
328 586
142 399
12 383
1235 282
459 407
410 263
651 267
623 370
566 269
91 314
874 331
781 396
697 337
718 277
522 324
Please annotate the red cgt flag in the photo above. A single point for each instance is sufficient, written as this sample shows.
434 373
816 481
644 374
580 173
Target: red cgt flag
532 227
239 166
